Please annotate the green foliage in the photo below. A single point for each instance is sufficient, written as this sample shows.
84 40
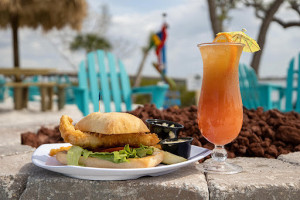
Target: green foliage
187 98
90 42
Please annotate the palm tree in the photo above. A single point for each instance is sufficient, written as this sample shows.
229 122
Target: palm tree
90 42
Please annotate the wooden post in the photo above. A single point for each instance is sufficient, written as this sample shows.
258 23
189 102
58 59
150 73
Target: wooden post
138 77
14 25
61 96
43 98
25 97
50 96
18 98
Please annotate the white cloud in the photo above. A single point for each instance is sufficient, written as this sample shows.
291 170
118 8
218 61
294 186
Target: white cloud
186 22
132 22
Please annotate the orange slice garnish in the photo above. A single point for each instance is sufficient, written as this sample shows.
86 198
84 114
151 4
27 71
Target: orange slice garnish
223 37
226 37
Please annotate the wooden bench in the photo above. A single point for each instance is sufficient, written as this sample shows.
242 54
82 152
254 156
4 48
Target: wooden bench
46 91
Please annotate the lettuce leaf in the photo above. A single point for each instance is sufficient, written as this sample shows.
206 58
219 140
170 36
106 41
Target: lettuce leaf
73 155
75 152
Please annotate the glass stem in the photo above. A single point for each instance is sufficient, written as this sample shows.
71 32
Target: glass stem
219 153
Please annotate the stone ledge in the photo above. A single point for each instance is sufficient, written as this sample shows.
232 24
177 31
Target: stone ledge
292 158
19 178
15 168
261 179
14 171
185 183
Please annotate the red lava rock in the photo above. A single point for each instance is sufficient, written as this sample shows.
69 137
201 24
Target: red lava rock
257 149
283 151
243 141
269 133
43 136
256 129
279 143
272 150
245 133
209 146
30 139
263 134
266 143
269 156
289 134
254 138
231 155
196 142
242 149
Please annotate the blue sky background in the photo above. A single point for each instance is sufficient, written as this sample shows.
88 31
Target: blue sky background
131 23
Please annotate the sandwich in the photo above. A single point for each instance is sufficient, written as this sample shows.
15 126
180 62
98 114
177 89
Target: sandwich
108 140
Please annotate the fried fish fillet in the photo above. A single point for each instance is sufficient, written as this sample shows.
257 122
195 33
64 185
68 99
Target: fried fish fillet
96 140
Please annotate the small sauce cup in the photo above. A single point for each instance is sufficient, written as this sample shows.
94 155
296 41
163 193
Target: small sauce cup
163 128
178 146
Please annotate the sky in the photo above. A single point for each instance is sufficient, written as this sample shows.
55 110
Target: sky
131 23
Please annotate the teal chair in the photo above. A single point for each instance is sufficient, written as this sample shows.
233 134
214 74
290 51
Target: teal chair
293 90
102 72
172 99
255 94
2 88
33 90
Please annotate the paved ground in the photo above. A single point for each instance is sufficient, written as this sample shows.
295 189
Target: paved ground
13 123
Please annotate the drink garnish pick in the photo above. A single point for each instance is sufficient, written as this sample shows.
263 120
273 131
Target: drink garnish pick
238 37
99 100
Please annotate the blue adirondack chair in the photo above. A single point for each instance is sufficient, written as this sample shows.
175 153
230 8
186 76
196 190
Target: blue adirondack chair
2 88
293 71
172 99
255 94
33 90
103 72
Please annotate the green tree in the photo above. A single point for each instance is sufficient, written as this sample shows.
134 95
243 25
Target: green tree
90 42
95 37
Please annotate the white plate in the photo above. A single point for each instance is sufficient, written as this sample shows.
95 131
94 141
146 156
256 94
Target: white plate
42 159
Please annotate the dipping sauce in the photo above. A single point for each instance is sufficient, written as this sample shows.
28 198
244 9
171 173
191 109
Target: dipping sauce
163 128
174 141
180 147
167 125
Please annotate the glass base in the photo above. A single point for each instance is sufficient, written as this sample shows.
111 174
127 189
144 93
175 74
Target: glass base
219 167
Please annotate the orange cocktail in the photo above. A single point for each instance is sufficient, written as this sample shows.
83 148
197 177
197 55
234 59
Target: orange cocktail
220 110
